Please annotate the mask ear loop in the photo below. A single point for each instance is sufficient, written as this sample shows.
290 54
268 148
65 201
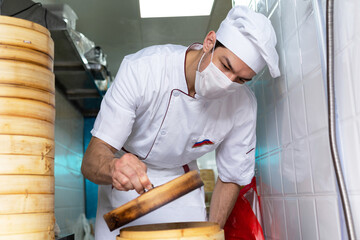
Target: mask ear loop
200 61
212 54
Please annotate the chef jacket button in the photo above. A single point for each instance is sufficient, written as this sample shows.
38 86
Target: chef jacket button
163 132
176 94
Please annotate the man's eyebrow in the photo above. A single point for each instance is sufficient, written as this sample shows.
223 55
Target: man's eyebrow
228 63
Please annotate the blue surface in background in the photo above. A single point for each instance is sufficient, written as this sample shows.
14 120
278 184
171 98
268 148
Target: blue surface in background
91 189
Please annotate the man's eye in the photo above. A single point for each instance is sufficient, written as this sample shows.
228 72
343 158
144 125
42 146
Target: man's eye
241 80
225 67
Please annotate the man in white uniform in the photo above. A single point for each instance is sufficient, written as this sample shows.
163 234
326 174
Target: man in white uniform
168 106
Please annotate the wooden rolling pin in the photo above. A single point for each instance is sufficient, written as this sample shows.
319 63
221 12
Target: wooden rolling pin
153 199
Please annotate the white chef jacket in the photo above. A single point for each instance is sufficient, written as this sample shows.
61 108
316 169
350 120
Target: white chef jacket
148 112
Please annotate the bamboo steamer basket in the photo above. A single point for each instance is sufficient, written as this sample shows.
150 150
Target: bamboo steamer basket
26 74
48 235
26 203
173 231
26 55
26 184
27 145
26 126
17 92
26 164
26 223
207 174
27 34
27 108
208 177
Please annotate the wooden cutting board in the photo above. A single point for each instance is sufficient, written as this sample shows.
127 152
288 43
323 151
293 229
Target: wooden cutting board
153 199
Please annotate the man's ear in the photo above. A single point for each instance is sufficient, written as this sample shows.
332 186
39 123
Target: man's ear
209 41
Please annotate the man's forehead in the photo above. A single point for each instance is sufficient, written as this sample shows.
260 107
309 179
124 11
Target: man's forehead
230 57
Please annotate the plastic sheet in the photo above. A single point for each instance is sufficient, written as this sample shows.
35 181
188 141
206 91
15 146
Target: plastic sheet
82 43
82 229
65 12
244 221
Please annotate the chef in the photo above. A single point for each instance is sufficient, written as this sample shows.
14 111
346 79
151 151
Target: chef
170 105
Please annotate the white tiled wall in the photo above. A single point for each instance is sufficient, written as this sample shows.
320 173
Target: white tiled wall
295 174
347 72
69 182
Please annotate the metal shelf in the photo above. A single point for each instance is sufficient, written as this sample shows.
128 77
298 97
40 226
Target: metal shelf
75 77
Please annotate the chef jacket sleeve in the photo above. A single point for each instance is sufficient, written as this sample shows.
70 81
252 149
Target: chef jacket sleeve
235 156
117 111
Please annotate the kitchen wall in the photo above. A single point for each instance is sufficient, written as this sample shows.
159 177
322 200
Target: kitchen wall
69 182
91 189
294 169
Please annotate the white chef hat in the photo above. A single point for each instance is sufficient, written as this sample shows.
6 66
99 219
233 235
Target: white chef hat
251 37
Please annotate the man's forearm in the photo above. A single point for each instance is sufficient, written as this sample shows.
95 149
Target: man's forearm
97 162
223 201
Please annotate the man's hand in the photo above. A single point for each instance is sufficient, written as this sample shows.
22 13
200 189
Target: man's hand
101 167
129 173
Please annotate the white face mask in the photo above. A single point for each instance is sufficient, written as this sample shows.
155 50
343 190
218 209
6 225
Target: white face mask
212 83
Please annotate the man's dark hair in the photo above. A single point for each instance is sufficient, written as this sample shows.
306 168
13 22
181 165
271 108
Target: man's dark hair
219 44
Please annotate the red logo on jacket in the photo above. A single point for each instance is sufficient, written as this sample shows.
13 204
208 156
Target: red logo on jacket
203 142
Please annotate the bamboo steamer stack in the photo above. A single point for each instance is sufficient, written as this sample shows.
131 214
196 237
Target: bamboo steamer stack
208 177
27 115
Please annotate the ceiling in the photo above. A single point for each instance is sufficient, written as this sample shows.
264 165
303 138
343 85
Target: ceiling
116 26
